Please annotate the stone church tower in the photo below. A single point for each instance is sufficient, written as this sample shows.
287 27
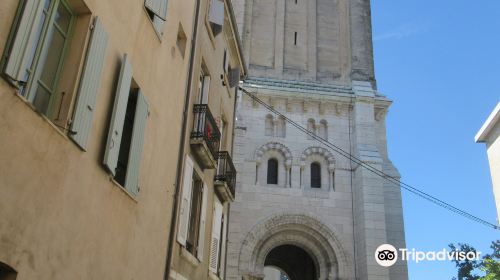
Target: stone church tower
301 207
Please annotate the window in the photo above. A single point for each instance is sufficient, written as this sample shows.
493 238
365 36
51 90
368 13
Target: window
218 237
157 12
126 135
37 52
269 125
272 171
311 127
34 62
195 215
7 272
315 175
323 129
192 217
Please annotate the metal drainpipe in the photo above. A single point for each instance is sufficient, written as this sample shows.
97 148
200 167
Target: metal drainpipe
173 218
229 204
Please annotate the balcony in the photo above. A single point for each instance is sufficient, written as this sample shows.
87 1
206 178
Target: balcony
205 137
225 178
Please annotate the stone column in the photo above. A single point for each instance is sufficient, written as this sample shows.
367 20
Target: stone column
330 178
288 176
295 176
368 192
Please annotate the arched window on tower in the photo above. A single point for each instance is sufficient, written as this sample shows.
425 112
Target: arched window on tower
311 126
315 175
272 171
281 127
323 129
269 125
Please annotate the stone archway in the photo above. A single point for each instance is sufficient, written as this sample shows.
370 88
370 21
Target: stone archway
284 150
318 151
294 261
300 230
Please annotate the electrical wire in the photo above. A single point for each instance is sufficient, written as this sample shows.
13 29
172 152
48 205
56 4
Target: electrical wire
372 169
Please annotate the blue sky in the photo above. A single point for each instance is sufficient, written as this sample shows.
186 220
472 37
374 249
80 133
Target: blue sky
440 63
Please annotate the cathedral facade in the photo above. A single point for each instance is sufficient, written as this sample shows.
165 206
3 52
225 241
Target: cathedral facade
301 207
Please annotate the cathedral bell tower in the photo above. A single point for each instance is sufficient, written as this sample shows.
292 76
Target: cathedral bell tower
301 208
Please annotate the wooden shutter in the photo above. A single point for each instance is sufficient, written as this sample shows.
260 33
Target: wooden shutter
216 234
223 247
216 16
89 85
203 219
118 116
158 7
24 39
137 144
187 186
234 77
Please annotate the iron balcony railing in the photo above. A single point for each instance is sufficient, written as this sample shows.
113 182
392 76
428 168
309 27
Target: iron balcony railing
226 172
206 128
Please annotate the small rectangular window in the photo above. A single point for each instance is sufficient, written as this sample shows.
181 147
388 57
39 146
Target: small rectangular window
295 39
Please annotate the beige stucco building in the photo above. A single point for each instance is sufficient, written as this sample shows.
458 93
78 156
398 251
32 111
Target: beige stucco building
490 135
96 96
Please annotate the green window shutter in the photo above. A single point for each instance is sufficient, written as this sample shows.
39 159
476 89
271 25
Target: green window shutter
158 7
216 16
137 144
89 85
118 116
203 219
216 13
24 39
187 187
216 234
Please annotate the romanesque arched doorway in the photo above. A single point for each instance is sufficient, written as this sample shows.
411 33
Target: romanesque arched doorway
293 261
271 241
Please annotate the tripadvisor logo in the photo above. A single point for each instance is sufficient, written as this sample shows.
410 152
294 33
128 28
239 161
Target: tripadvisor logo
386 255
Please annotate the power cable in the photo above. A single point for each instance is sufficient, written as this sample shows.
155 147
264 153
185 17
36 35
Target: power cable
372 169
